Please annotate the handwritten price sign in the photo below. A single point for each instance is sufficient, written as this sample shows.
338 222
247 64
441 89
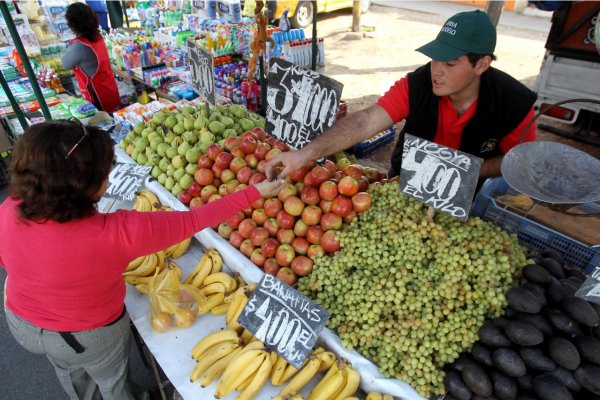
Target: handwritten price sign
301 104
439 176
283 319
125 180
202 71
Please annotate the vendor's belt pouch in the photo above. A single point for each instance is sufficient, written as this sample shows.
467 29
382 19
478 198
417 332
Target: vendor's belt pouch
72 341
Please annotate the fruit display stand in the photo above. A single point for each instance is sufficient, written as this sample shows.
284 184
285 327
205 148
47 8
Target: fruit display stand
371 378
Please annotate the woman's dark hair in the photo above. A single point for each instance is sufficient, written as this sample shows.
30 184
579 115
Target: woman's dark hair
83 21
52 186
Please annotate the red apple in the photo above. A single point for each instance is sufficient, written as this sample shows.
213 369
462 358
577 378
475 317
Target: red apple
257 177
361 201
208 191
288 190
238 153
315 251
261 166
217 182
249 134
354 171
269 247
205 162
235 221
329 242
195 189
318 175
227 175
248 145
310 195
236 239
284 255
257 257
185 197
348 218
223 160
248 212
236 164
259 132
214 197
251 160
300 228
330 167
261 151
328 190
313 234
259 203
285 220
223 190
272 226
299 186
299 174
300 245
307 180
216 170
246 227
348 186
311 215
325 205
204 176
341 206
302 265
280 145
258 236
196 202
270 140
331 221
363 184
271 154
231 185
287 276
271 267
224 230
231 143
285 236
213 151
244 175
272 207
259 216
293 206
246 247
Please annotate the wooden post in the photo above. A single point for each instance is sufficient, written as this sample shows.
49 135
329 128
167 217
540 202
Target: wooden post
493 9
356 16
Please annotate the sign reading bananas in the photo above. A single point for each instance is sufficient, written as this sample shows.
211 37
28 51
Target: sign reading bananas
125 180
285 320
202 71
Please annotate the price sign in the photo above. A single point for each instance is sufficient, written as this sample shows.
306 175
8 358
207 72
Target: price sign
439 176
201 71
284 319
590 288
301 104
125 180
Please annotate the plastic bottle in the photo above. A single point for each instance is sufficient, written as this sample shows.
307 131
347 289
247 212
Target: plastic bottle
244 90
321 48
211 9
236 11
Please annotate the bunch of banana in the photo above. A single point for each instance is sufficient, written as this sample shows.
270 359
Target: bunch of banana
283 371
178 249
141 270
210 263
237 301
146 201
340 382
379 396
213 353
246 373
288 397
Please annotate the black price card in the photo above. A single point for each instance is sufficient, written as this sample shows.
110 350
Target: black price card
202 71
284 319
439 176
301 104
590 288
125 180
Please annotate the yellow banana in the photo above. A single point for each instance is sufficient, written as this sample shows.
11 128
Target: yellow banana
246 336
258 380
290 371
138 280
215 370
169 250
143 204
238 370
374 396
302 377
221 277
327 359
217 260
152 198
233 324
135 263
387 397
202 270
352 398
211 302
148 266
352 380
175 267
233 299
221 309
326 390
215 287
213 339
278 369
256 345
142 288
181 248
160 255
210 357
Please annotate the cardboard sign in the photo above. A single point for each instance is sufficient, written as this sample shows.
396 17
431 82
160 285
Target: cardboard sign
590 288
284 319
301 104
439 176
201 71
125 180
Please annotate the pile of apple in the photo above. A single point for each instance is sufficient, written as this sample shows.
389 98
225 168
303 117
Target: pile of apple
281 234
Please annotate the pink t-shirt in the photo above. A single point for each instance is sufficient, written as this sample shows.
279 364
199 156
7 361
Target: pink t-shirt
68 276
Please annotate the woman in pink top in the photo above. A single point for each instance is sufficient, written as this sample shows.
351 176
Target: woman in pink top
64 260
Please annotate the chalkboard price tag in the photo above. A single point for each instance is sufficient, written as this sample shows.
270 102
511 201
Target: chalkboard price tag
201 71
301 103
283 319
125 180
439 176
590 288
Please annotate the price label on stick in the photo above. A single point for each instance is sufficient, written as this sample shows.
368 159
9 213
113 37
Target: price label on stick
439 176
125 180
284 319
301 104
202 71
590 288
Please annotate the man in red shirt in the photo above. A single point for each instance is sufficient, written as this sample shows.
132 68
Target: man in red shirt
457 100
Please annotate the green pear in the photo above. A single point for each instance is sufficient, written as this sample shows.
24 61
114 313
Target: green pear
142 159
155 172
170 122
214 116
229 132
176 189
132 135
161 149
124 143
159 118
169 183
139 127
177 140
162 178
228 122
216 127
203 147
179 162
191 167
179 172
155 142
246 124
153 160
179 128
141 144
190 137
186 181
183 147
171 152
192 155
188 124
135 153
130 148
170 170
207 137
147 132
200 122
164 163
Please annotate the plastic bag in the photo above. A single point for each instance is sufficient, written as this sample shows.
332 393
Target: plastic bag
172 304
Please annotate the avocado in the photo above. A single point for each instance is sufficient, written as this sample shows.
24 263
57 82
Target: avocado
505 388
589 348
477 380
536 320
461 362
553 266
569 287
456 387
536 274
523 300
534 255
477 397
588 376
563 352
538 291
562 323
491 335
525 383
581 311
566 377
523 333
554 255
481 354
576 280
510 312
547 387
509 362
535 359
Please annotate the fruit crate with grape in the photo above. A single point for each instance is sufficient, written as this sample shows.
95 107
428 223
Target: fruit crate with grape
367 148
532 233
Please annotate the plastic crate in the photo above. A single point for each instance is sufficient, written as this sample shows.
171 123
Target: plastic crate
369 147
533 233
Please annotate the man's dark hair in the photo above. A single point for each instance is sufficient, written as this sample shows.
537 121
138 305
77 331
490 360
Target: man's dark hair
83 21
473 58
51 185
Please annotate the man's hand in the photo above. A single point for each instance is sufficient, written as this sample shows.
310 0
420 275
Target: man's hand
281 166
269 189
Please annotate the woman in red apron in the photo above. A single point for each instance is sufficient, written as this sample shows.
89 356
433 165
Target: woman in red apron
88 57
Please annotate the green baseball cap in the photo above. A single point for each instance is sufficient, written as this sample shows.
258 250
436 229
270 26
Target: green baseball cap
465 32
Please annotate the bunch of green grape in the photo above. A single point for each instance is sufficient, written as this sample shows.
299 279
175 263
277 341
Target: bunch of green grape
410 293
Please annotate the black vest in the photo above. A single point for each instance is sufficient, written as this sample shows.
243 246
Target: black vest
502 105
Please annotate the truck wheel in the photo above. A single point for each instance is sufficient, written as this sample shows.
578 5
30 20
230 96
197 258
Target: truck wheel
303 15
